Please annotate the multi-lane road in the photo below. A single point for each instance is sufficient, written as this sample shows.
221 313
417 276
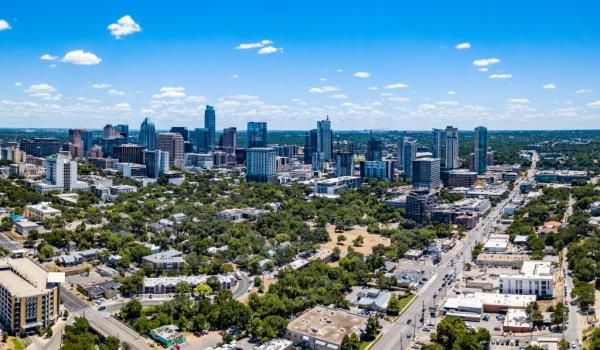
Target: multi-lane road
400 335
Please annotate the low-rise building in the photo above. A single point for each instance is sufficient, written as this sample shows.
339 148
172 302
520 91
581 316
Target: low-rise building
517 321
535 278
25 226
331 187
166 285
276 344
168 260
41 212
167 335
502 260
323 328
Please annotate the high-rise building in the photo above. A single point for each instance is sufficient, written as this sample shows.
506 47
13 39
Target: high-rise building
76 147
374 148
13 154
172 143
317 163
109 131
406 154
310 145
261 164
40 146
201 136
419 205
129 153
325 139
377 169
88 140
148 135
257 134
210 124
157 162
426 173
61 175
122 130
344 164
229 140
181 130
480 150
445 147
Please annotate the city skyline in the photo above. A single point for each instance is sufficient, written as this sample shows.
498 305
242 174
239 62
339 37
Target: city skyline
414 67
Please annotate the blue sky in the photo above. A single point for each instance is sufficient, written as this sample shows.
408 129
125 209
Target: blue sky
378 64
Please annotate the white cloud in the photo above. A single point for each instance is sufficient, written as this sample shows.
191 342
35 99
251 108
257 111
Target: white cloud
248 46
4 25
396 86
374 88
501 76
122 107
170 92
48 57
518 100
448 103
339 70
114 92
124 26
595 104
101 86
339 96
80 57
234 76
451 92
43 91
18 83
268 50
427 107
362 75
323 79
323 89
549 86
486 62
462 46
244 97
583 91
483 69
398 99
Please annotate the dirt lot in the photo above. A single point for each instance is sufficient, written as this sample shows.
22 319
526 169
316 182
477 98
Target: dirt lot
370 240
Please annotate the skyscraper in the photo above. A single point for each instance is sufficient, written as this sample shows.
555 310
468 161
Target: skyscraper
257 134
109 131
426 173
123 130
201 139
181 130
210 126
344 164
261 164
310 145
173 144
480 150
88 140
229 140
157 162
148 135
129 153
445 147
325 139
76 143
374 148
409 153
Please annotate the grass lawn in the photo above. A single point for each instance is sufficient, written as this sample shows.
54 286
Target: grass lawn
363 345
405 300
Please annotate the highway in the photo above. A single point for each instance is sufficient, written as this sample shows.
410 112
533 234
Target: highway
398 336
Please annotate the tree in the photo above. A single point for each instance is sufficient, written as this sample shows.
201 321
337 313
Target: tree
585 292
358 241
372 329
351 342
110 343
257 281
203 290
182 288
340 239
477 249
393 308
4 337
448 331
533 313
533 347
559 313
132 310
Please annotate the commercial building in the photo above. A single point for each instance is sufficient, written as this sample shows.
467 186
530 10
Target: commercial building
471 306
167 285
129 153
445 147
406 154
257 134
374 149
261 164
323 328
173 144
168 336
344 164
29 296
168 260
480 150
426 173
419 205
535 278
325 139
201 137
40 146
310 145
76 143
157 163
181 130
377 169
229 140
210 124
40 212
131 169
561 176
459 178
61 175
514 261
13 154
147 136
517 321
331 187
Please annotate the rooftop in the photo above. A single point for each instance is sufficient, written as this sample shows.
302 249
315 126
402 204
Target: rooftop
327 324
23 277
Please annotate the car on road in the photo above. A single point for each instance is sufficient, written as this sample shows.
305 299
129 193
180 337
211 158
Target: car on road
409 335
101 308
573 345
409 321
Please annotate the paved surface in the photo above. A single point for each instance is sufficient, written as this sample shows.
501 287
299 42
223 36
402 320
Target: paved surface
401 334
